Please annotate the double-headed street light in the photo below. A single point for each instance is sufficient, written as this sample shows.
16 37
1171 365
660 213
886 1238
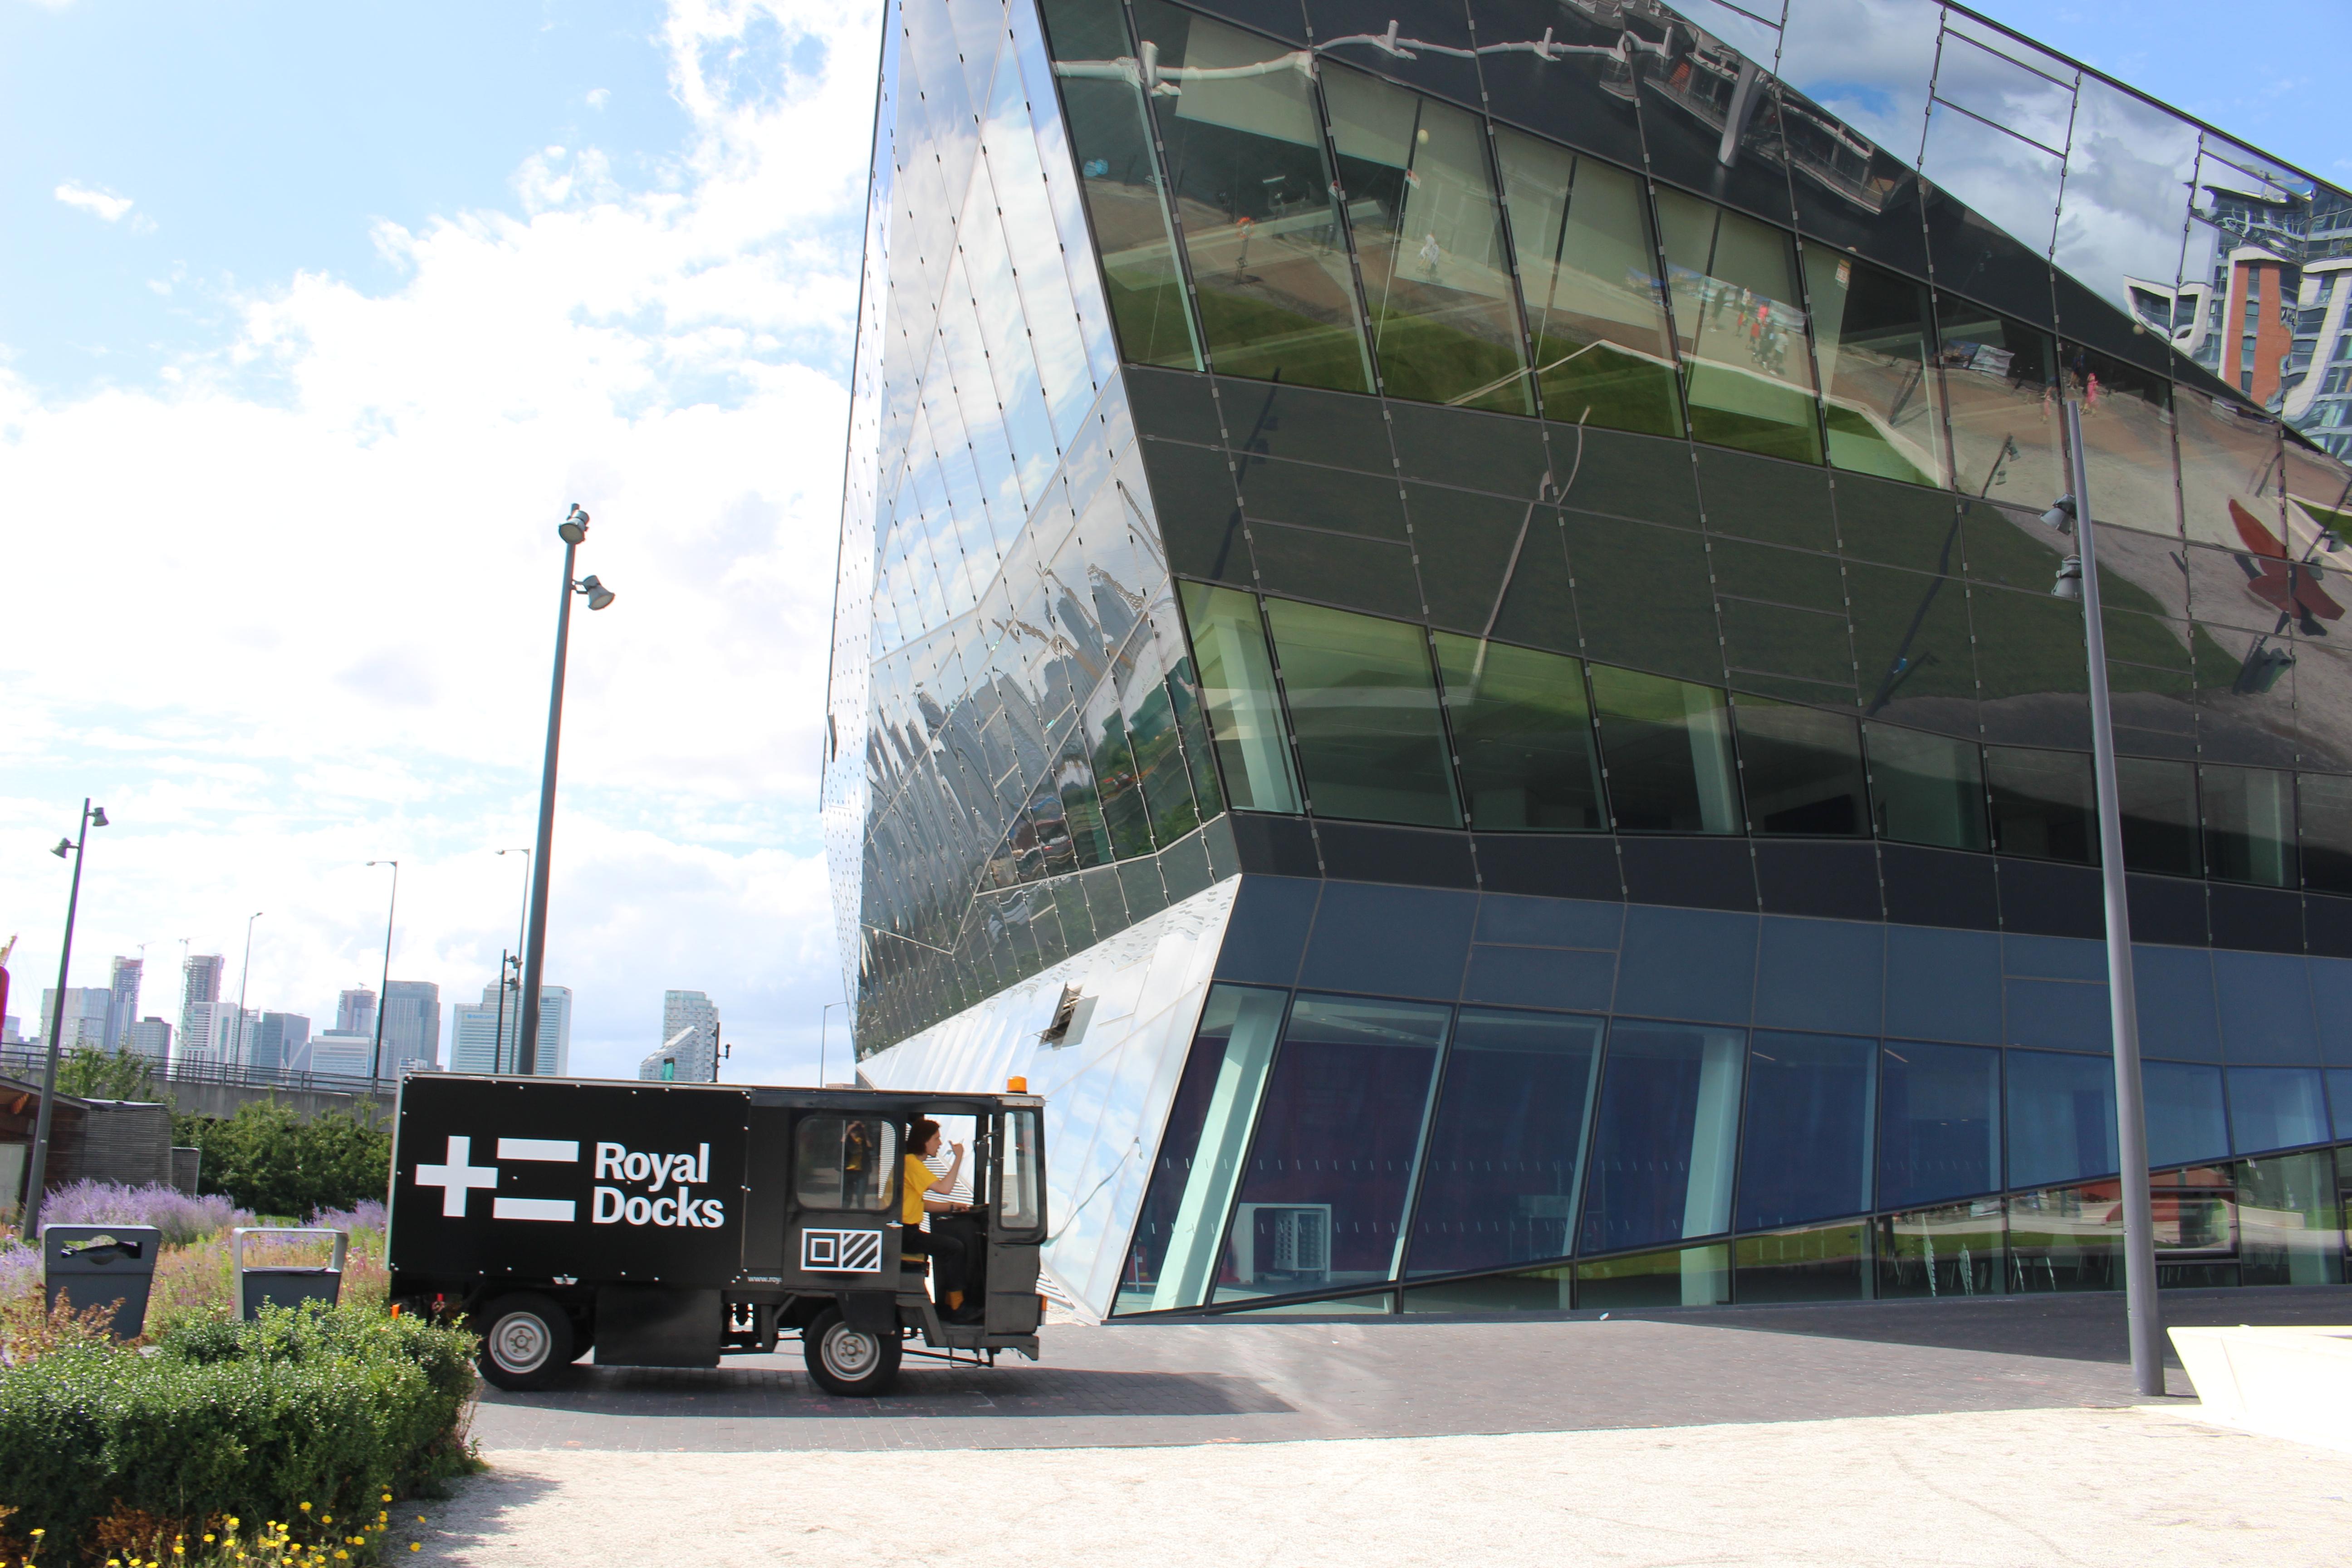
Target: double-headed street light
91 817
571 531
2078 579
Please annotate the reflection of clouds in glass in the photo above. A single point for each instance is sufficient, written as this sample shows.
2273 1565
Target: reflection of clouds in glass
1867 61
2126 197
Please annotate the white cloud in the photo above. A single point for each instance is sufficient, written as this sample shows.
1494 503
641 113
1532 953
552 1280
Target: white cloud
103 204
599 97
316 627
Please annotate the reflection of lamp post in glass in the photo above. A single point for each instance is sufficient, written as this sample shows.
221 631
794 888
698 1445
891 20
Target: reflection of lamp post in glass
2078 578
39 1171
571 529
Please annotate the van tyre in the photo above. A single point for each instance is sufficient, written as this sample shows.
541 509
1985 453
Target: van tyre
526 1341
854 1362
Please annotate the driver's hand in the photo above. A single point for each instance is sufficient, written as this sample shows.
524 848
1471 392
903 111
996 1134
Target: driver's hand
956 1149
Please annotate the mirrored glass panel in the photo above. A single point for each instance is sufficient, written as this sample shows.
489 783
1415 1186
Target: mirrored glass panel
1826 1263
1322 1198
1522 736
1667 745
2122 222
2291 1221
2157 804
2001 384
1238 691
1429 239
2275 1108
2248 825
1939 1123
2067 1238
1747 372
1926 789
1498 1184
1956 1249
2126 440
1882 398
1595 305
2324 807
2043 803
2062 1116
1805 1147
1662 1149
1364 711
1800 769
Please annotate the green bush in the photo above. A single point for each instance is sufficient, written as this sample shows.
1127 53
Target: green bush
330 1406
270 1161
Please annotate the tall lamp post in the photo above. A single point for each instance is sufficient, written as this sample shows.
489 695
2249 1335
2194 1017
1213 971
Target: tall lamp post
383 985
91 817
244 973
571 531
2079 578
824 1022
512 962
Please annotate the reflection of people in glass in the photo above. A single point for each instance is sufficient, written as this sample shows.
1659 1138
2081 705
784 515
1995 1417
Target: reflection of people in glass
944 1246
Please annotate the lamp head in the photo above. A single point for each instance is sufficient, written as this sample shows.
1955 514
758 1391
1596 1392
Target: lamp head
2060 515
98 816
598 594
575 526
2069 584
64 848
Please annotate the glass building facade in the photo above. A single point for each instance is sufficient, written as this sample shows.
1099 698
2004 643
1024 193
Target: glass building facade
1443 637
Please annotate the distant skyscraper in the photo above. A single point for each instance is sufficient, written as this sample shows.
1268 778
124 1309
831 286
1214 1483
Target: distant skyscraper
211 1035
11 1031
341 1053
122 1008
277 1042
478 1044
412 1026
200 983
355 1012
151 1039
698 1054
84 1016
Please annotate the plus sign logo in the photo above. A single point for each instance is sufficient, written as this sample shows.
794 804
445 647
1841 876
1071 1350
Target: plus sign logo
458 1178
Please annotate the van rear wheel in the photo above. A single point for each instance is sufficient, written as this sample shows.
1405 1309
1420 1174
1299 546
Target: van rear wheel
854 1362
526 1341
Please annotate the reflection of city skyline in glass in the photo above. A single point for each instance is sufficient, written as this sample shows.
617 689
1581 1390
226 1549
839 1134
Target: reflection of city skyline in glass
1563 450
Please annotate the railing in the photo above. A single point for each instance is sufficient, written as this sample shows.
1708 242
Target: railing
28 1063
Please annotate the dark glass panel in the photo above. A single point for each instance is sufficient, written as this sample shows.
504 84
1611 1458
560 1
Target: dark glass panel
1322 1198
1642 595
2043 803
1498 1183
1530 1290
2033 672
2276 1107
1549 922
2176 1016
1644 477
1522 736
1495 453
1748 376
1768 499
1828 1263
1237 688
1688 963
2290 1219
1821 973
2062 1116
1953 1250
2184 1113
1480 554
1311 496
1662 1149
1584 95
1876 344
2324 814
1939 1123
1110 139
1380 937
2249 825
1900 525
1369 574
1363 708
1926 789
1667 745
1800 769
1804 1148
1915 662
2126 440
2067 1238
1429 242
1693 1276
1262 227
2339 1100
1333 429
1595 305
1783 616
2000 383
2157 803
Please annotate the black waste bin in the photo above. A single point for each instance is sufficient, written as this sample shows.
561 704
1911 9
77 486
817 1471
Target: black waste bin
100 1266
284 1285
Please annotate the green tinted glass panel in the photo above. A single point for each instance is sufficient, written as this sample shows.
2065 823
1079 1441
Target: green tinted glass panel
1667 748
1238 691
2042 803
1363 707
2249 825
1522 736
1952 1250
1693 1276
1879 390
1926 789
1747 374
1800 769
1826 1263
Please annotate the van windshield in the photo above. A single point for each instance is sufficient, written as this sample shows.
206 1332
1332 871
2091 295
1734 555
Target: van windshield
844 1162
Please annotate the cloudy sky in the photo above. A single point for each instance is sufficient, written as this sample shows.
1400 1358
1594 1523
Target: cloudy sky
312 321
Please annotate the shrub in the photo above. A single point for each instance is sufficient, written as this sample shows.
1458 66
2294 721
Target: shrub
328 1406
181 1219
270 1161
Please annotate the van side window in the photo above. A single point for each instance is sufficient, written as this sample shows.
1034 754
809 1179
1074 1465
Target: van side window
1018 1208
844 1162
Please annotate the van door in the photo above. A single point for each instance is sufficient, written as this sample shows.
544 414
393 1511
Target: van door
1017 1220
840 1235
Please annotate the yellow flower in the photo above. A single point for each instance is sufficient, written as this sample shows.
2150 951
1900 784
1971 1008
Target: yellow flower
340 1555
387 1496
208 1536
306 1507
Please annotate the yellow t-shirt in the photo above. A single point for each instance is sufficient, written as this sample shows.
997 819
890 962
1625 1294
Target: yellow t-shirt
918 1181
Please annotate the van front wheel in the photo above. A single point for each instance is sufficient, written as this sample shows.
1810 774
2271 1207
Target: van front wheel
853 1363
526 1341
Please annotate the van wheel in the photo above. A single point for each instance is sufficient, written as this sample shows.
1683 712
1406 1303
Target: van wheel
526 1341
854 1362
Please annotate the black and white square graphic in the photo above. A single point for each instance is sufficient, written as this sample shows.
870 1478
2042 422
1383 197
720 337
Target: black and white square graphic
842 1251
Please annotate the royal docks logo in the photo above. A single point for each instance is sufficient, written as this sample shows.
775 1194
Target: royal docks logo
663 1184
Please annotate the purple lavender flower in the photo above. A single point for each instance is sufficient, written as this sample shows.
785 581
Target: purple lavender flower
181 1219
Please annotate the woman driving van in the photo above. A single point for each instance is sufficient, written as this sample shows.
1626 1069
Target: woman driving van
945 1249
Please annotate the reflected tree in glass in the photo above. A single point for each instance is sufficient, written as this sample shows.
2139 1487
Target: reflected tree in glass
1667 748
1522 736
1747 372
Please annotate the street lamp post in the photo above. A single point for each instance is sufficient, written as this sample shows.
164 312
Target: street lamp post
512 962
383 985
571 531
824 1022
91 817
2079 577
243 974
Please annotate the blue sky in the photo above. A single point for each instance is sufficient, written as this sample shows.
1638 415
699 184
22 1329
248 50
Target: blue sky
313 318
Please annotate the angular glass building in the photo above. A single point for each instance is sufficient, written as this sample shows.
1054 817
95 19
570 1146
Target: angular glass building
1443 637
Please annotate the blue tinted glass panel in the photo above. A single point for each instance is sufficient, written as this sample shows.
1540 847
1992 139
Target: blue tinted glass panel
1805 1147
2339 1101
1498 1184
1687 963
1661 1167
1267 930
1541 977
1939 1123
1943 984
2331 996
2184 1113
1322 1198
2275 1108
1549 923
2175 986
2054 957
2266 1006
2059 1014
1410 942
1820 974
2061 1117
